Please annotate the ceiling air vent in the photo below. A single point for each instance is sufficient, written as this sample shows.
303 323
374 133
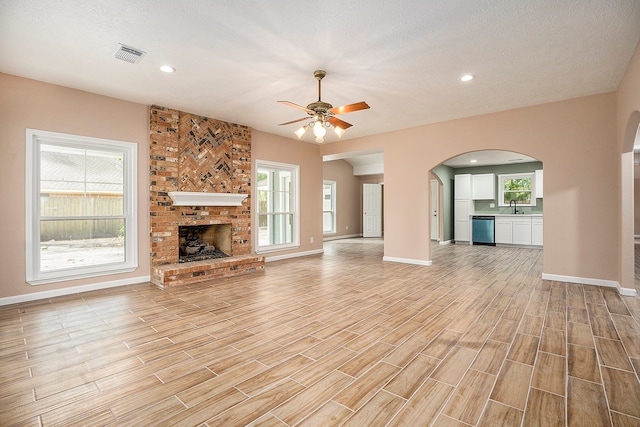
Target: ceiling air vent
128 54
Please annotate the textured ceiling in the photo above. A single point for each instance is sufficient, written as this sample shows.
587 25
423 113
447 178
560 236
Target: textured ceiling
235 59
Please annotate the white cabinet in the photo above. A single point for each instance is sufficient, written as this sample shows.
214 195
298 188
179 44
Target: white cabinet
522 230
539 184
462 207
462 225
483 186
536 231
462 187
504 231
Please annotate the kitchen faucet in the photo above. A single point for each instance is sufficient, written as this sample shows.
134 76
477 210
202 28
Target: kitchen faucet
515 206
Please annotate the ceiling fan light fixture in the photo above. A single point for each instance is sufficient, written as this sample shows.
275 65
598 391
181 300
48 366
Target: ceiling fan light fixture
319 130
322 114
300 132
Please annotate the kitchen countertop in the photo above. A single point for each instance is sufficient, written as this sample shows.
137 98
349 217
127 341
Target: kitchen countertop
508 215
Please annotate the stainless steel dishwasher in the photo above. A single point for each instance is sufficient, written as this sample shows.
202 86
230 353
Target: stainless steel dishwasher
483 230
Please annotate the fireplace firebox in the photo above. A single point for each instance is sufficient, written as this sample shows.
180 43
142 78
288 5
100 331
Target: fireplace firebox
200 242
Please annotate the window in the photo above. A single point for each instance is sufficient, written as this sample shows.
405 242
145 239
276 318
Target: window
329 207
277 207
80 207
518 187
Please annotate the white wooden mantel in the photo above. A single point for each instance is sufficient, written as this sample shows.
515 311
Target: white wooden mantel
188 198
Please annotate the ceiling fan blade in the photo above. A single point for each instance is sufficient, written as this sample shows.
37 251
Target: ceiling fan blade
339 123
350 108
299 107
294 121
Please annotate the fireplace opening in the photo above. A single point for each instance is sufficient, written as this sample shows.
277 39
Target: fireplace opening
200 242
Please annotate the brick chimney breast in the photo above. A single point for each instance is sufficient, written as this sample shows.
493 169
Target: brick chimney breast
191 153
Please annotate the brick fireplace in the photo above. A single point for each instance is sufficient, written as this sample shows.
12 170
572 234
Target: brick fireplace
201 157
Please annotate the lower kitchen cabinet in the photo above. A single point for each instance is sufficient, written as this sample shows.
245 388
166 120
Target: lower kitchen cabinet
462 225
536 231
522 230
504 231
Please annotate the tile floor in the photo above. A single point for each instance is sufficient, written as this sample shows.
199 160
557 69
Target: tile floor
477 339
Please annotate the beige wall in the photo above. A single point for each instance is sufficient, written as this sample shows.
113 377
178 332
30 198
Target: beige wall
628 104
576 140
348 195
31 104
274 148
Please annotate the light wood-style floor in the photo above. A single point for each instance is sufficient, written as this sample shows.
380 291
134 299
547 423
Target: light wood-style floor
338 339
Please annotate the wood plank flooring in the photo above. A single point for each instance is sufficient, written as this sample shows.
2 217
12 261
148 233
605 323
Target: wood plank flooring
343 338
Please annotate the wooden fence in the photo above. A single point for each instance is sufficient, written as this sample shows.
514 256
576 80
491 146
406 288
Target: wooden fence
69 205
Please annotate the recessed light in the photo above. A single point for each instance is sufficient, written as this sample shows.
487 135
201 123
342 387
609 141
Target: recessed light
473 161
167 69
467 77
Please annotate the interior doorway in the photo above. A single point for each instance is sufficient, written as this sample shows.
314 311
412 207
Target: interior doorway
434 209
372 210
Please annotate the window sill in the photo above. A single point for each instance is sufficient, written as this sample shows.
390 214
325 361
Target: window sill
278 248
58 276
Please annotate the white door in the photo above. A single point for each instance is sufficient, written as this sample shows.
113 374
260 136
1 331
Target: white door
433 203
372 210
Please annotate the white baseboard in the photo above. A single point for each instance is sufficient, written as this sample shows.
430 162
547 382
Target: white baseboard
627 292
72 290
407 261
444 242
293 255
588 281
348 236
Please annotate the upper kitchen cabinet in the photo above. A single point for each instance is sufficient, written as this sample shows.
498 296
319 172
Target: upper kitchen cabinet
462 187
539 184
483 186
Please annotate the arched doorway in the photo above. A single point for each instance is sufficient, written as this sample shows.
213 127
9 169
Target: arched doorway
628 205
492 169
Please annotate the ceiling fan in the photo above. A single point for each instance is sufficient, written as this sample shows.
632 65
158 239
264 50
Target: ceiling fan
322 114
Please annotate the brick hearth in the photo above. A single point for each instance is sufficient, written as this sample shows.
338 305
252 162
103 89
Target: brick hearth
198 154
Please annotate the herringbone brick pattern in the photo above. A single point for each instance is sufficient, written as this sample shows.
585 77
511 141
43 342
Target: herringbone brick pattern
205 155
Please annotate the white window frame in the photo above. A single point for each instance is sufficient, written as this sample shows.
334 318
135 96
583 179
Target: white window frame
502 178
34 138
295 204
333 207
